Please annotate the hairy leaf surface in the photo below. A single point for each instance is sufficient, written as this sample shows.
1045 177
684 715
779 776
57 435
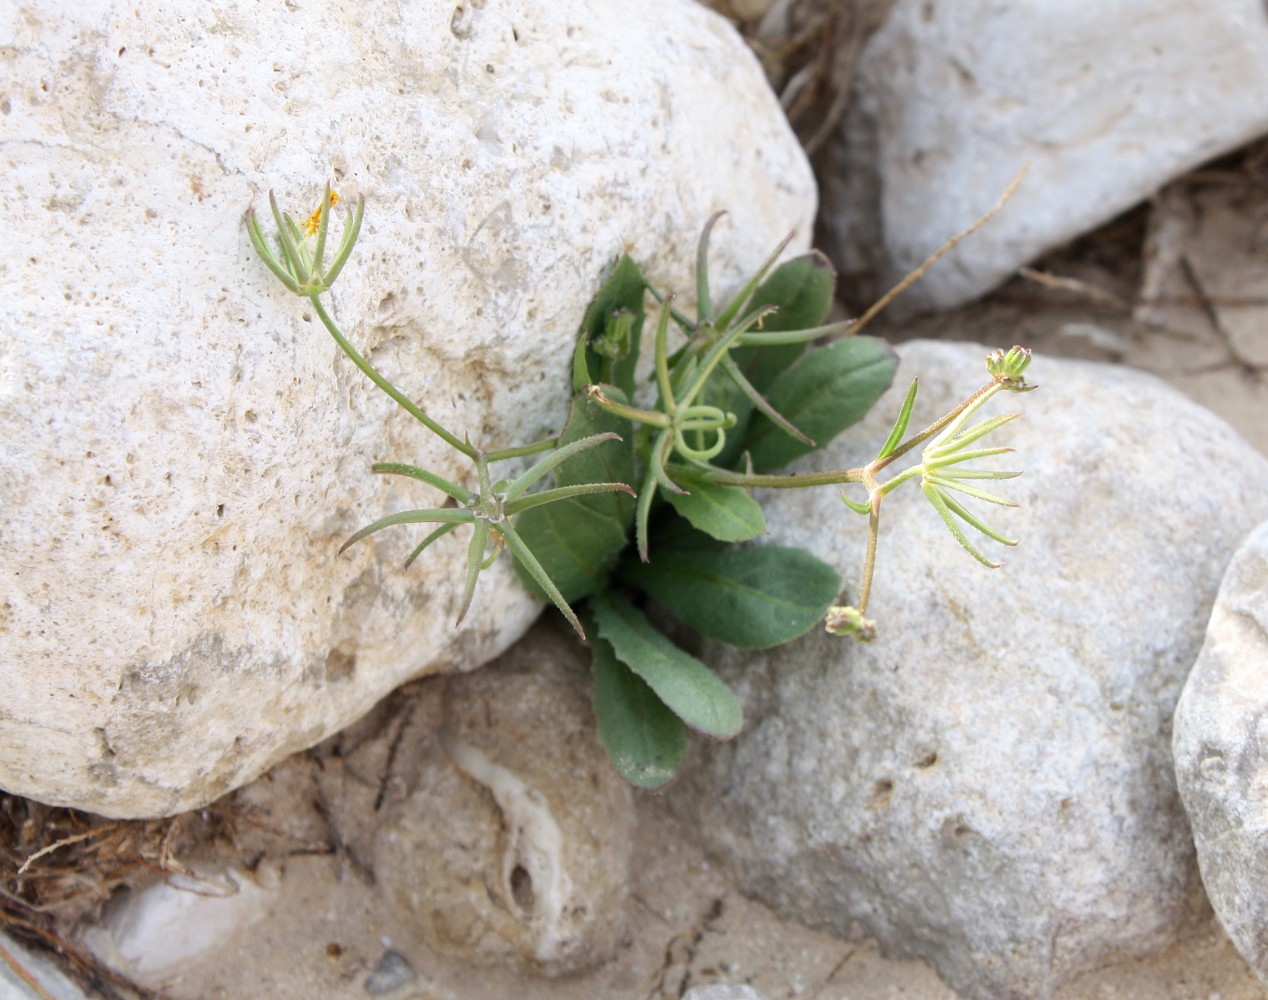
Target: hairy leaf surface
644 739
579 540
727 513
753 598
688 688
829 389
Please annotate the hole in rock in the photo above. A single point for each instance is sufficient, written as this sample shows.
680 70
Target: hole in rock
340 665
522 889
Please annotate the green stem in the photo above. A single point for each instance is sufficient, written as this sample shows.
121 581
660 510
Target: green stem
899 479
653 418
869 560
522 450
772 338
662 363
684 324
373 375
710 361
724 477
938 425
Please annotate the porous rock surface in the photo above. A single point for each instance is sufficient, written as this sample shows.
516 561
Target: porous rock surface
184 447
952 99
988 785
1221 752
512 841
723 991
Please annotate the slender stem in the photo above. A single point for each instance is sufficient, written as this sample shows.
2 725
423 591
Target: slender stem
901 478
373 375
771 338
869 560
661 451
933 258
662 363
26 976
652 417
934 427
684 324
749 480
711 360
524 449
483 477
742 297
529 561
642 510
704 303
761 402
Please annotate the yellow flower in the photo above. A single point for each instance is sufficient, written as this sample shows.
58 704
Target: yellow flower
314 220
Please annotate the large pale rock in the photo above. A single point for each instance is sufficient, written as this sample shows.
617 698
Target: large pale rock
1221 752
1106 102
512 844
988 786
185 449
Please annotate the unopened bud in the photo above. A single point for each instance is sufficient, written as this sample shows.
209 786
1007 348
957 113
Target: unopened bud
1008 366
846 620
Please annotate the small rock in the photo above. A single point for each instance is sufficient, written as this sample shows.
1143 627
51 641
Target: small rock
392 972
513 845
1221 752
52 980
988 785
952 99
156 933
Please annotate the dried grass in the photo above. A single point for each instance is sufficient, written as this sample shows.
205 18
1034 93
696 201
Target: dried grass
808 49
58 868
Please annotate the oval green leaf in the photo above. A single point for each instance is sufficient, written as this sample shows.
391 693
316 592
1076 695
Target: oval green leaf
753 598
688 688
829 389
727 513
645 740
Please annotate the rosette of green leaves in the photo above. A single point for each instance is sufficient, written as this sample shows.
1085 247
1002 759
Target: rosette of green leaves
745 390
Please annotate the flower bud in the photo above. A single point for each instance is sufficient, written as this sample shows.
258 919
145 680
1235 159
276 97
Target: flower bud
845 620
1007 367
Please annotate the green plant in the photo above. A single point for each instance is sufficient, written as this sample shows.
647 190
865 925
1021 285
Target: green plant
744 393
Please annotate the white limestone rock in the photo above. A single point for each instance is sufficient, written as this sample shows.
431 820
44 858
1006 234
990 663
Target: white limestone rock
512 841
51 979
156 934
185 448
1221 752
988 785
723 991
1106 102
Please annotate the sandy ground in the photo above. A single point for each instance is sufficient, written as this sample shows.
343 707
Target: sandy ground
688 927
